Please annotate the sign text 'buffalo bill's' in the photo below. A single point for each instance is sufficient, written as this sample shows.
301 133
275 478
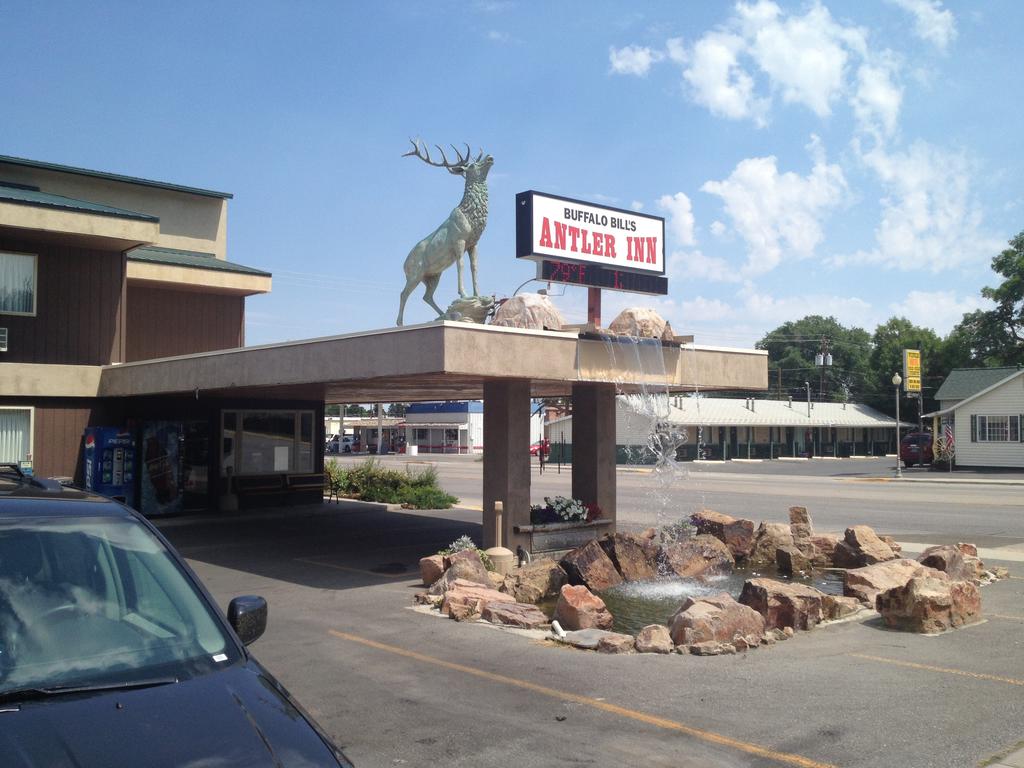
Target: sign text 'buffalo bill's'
573 231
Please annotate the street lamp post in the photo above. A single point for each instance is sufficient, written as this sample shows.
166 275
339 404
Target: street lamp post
896 381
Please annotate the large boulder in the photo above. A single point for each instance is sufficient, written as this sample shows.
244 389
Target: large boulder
590 566
929 605
737 534
768 538
867 582
718 618
790 560
521 615
800 523
654 638
950 560
643 322
784 604
615 642
535 581
835 607
821 548
529 310
466 566
701 555
431 569
579 608
635 557
467 598
861 546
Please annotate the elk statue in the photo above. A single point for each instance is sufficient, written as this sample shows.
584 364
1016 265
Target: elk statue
458 234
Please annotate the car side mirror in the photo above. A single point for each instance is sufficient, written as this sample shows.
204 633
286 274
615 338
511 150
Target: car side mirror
248 617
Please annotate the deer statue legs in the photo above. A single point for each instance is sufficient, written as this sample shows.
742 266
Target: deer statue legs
472 269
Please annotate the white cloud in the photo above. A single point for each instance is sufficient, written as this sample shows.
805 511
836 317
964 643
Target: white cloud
633 60
680 218
770 311
695 265
717 228
938 310
636 205
930 216
931 21
676 50
804 56
774 211
877 101
719 82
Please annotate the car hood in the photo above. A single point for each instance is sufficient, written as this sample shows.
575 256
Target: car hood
233 717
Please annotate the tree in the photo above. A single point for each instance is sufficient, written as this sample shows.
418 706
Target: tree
397 409
791 357
888 343
996 336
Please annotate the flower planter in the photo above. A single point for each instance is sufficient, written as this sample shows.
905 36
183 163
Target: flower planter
556 537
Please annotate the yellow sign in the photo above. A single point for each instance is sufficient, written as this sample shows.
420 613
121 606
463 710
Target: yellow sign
912 370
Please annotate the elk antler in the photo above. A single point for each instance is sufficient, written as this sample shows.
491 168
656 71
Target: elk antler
424 154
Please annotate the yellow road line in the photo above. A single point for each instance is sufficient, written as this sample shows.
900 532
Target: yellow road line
659 722
356 570
944 670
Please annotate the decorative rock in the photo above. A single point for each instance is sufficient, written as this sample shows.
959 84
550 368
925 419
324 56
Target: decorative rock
999 572
896 548
521 615
587 639
768 538
783 604
535 581
465 598
579 608
654 638
649 533
642 322
967 549
745 643
834 607
930 605
635 557
497 580
869 548
698 556
800 523
614 642
529 310
465 566
790 560
787 632
425 598
949 560
866 583
590 566
711 648
737 534
822 547
718 618
431 569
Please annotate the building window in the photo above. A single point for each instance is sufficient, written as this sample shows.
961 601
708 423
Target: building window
17 283
422 434
995 429
15 435
267 442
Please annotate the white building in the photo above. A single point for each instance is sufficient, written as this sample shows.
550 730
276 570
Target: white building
985 408
728 428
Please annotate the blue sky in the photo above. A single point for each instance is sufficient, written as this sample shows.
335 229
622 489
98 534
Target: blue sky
853 159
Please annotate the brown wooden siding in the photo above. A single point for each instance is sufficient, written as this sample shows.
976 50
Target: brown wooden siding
164 322
79 307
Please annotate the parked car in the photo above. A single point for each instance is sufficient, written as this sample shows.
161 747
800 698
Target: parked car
916 448
343 444
539 446
113 653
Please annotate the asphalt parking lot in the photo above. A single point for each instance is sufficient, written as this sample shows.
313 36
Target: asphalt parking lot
397 687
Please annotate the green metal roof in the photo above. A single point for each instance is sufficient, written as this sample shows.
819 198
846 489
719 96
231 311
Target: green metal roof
111 177
966 382
25 195
194 259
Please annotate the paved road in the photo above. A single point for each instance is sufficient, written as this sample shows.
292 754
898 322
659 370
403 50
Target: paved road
397 687
837 493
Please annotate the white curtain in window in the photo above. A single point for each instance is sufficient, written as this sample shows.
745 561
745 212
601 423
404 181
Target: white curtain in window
17 282
14 434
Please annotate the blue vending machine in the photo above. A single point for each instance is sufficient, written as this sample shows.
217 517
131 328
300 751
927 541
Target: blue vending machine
111 463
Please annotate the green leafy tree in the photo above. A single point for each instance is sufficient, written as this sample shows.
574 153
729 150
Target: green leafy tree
397 409
792 348
888 342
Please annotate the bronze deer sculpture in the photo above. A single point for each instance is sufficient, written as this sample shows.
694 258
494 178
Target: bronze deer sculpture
458 234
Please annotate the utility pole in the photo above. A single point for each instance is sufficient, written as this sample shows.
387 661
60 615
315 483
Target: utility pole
822 359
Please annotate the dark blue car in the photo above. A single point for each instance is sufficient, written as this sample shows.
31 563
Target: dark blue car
113 654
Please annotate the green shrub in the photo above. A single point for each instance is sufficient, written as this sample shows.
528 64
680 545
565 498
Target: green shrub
428 498
371 482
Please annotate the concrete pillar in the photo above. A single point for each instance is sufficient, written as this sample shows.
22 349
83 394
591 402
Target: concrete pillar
593 447
506 458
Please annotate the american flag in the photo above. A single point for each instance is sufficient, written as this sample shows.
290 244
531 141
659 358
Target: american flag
947 433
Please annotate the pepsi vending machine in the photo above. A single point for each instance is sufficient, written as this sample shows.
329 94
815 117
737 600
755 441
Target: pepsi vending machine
110 463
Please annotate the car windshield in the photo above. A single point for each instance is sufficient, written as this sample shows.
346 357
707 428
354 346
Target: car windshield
95 601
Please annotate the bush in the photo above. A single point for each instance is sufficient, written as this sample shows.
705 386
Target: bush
463 543
371 482
561 509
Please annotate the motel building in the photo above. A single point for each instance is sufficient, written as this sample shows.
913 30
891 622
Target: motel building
123 364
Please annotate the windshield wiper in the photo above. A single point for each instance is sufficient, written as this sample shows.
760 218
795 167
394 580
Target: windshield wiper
24 694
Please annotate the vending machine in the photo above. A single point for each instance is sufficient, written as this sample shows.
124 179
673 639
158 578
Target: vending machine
111 462
161 487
